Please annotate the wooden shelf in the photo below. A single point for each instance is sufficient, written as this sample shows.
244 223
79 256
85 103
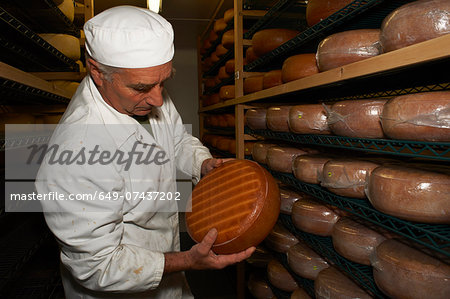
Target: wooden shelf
11 73
431 50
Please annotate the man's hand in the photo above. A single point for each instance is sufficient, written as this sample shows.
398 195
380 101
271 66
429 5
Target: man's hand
210 164
201 256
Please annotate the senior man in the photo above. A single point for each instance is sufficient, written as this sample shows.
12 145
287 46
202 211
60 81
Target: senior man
117 244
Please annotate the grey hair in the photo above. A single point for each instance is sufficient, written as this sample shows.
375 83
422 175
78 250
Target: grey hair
106 70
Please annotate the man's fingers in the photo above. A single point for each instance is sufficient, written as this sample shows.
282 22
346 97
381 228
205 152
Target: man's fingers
208 241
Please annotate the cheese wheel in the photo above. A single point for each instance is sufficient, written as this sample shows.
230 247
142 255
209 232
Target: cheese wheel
228 15
288 198
271 79
68 9
299 66
226 92
217 80
253 84
281 158
355 241
229 66
346 47
277 118
221 50
304 262
313 217
409 193
308 119
230 120
66 44
213 36
250 55
248 147
331 283
228 39
401 271
264 41
209 82
206 64
214 58
414 23
222 74
232 146
260 257
70 86
359 118
256 118
219 25
300 294
260 151
422 117
347 177
223 144
279 277
259 287
309 168
239 198
280 239
317 10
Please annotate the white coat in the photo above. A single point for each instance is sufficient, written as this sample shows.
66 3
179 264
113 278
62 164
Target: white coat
115 248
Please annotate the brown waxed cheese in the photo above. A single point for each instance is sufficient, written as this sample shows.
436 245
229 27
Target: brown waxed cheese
309 168
214 98
277 118
210 82
260 151
248 147
347 177
226 92
230 120
219 25
256 118
232 146
280 239
228 39
308 119
223 144
266 40
409 193
288 198
317 10
346 47
260 257
421 117
222 73
259 287
253 84
401 271
359 118
229 66
313 217
331 283
221 50
272 78
228 15
355 241
241 200
300 294
214 57
279 277
281 158
299 66
250 55
305 262
415 22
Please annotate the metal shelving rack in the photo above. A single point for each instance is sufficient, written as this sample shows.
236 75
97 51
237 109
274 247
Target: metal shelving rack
429 150
362 274
434 236
17 43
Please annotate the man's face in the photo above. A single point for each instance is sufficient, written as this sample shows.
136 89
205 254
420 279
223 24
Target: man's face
136 91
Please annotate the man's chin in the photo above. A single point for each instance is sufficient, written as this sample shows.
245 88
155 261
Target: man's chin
142 112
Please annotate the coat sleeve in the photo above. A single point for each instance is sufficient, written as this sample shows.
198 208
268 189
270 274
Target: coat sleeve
90 230
189 151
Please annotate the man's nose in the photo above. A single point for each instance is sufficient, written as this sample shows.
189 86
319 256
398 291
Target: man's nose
155 97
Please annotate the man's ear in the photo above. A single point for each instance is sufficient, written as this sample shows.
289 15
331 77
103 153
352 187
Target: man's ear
95 72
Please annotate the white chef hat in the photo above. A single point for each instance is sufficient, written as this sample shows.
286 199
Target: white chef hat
129 37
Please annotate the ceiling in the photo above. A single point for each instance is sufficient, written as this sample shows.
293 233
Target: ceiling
189 18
